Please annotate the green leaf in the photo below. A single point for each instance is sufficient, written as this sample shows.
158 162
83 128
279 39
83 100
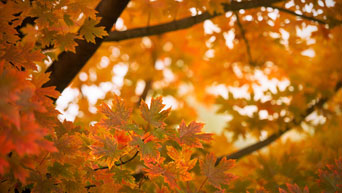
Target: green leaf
121 176
148 149
58 169
158 132
135 129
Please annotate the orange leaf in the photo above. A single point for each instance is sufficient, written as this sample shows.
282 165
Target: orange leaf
217 175
154 115
117 116
191 135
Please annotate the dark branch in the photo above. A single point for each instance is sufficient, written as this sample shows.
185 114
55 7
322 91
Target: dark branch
243 34
69 64
143 96
186 22
149 81
259 145
119 163
299 15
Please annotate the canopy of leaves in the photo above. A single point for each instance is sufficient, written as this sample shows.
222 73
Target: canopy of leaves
270 69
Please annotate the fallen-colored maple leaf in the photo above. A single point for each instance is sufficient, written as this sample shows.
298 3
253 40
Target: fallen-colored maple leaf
117 116
90 31
294 188
217 175
67 42
169 171
191 135
182 158
106 149
330 177
148 149
154 115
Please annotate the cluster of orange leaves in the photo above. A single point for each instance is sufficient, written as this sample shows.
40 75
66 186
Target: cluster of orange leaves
27 113
117 136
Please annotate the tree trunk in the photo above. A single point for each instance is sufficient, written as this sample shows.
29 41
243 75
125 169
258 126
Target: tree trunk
69 64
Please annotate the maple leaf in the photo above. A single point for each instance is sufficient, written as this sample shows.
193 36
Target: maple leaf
191 135
11 82
135 128
42 184
58 169
122 176
147 149
66 42
106 149
22 56
117 116
217 175
154 115
330 177
294 188
43 93
48 37
90 31
66 127
169 171
122 138
182 158
3 165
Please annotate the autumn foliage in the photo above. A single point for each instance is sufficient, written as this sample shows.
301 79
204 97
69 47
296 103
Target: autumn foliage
176 96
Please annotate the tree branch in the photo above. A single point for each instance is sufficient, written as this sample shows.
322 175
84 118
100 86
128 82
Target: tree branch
185 22
299 15
119 164
332 22
259 145
243 34
69 64
147 88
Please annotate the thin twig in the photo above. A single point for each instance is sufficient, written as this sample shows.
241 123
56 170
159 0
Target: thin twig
299 15
243 34
119 164
204 181
2 181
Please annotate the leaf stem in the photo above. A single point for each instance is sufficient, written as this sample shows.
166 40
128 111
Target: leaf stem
119 164
204 181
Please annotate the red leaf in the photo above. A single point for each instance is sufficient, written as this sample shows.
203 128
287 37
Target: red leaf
282 190
3 164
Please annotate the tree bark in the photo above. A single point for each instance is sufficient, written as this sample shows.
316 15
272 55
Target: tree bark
185 22
69 64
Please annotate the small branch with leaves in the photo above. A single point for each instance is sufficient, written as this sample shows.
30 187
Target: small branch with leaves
259 145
